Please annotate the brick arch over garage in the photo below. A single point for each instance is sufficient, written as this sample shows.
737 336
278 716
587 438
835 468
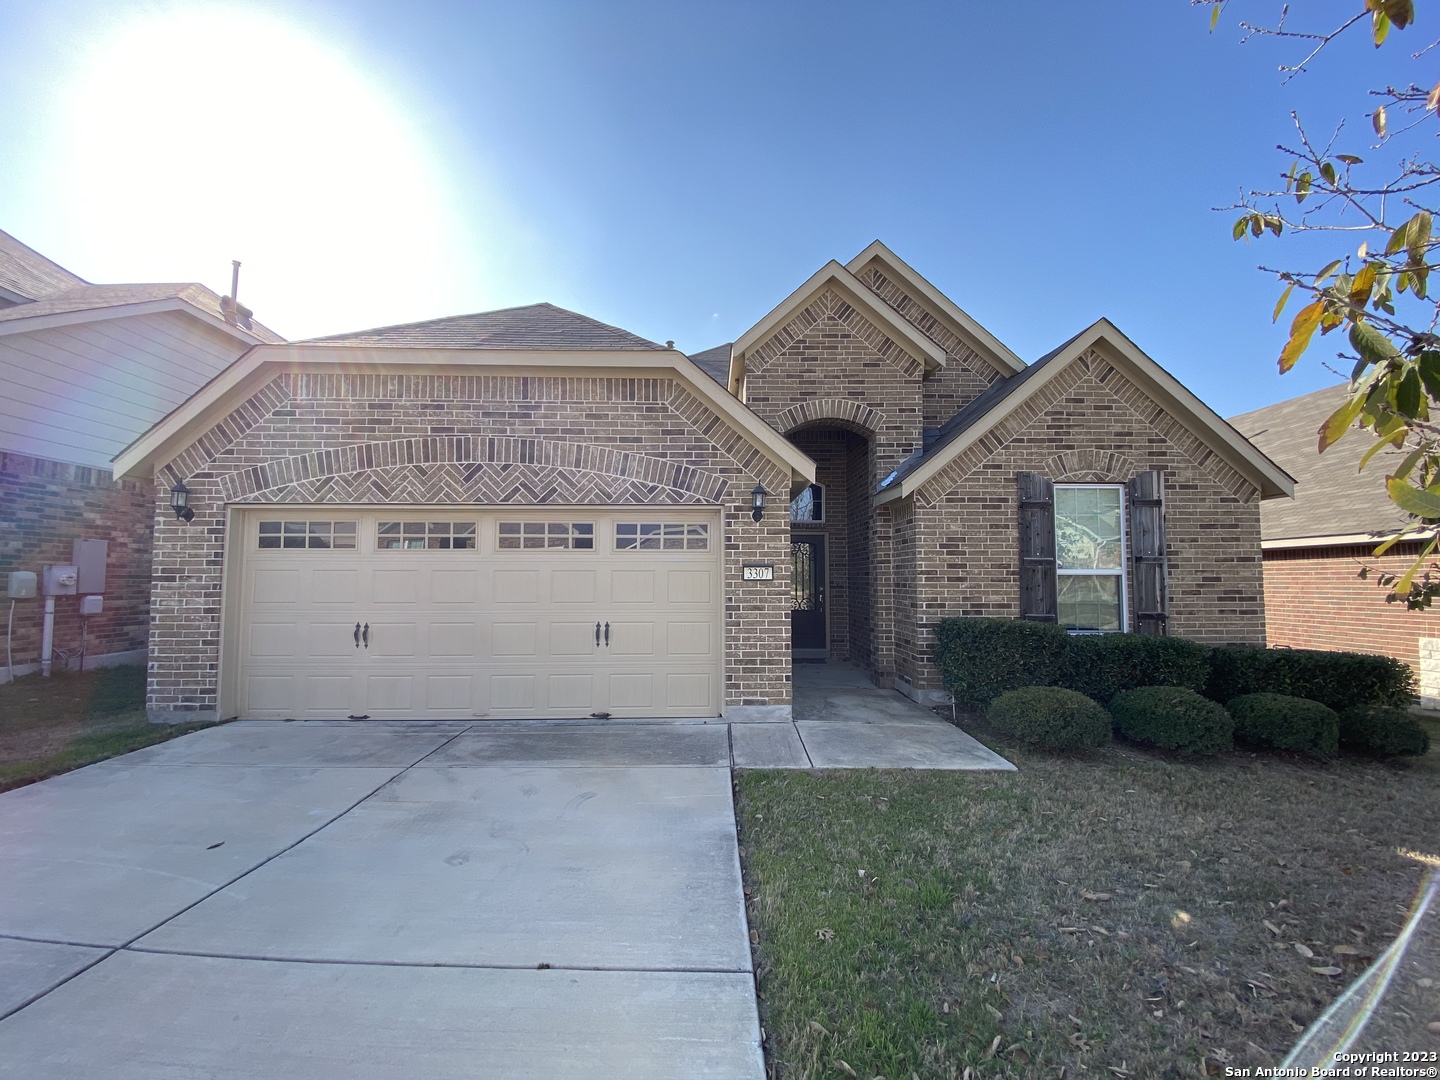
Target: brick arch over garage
831 412
472 469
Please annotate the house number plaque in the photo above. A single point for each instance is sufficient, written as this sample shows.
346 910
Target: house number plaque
758 572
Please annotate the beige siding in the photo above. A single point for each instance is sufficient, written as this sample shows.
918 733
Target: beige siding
80 393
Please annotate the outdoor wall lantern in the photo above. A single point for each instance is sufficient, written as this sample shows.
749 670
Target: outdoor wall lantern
180 502
757 502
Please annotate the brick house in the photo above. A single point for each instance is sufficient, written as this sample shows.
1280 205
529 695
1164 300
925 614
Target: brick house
1315 545
530 513
84 370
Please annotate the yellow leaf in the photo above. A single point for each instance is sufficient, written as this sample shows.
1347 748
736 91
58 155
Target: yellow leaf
1340 420
1302 329
1433 101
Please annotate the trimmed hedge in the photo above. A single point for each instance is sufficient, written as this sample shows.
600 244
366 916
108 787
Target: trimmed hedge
983 658
1335 679
1049 717
1174 717
1382 729
1103 665
1286 723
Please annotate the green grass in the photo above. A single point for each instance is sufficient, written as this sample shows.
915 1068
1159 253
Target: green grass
1106 914
50 726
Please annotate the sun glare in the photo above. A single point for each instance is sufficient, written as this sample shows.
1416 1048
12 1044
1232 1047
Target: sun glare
193 137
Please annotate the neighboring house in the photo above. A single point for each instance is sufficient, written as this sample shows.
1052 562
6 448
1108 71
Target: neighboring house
84 370
530 513
1316 544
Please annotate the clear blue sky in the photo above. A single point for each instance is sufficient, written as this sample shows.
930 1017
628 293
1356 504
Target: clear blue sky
678 168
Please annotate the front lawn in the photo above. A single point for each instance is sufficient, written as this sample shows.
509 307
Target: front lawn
50 726
1118 914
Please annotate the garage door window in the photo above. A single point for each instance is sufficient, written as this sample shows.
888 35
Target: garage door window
661 536
559 535
425 536
306 534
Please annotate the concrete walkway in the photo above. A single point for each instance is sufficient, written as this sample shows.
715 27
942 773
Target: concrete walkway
407 901
843 721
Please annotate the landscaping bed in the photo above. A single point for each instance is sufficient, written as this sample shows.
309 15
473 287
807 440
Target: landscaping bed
1121 913
50 726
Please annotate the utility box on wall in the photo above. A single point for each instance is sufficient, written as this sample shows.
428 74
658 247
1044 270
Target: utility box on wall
22 585
89 558
58 581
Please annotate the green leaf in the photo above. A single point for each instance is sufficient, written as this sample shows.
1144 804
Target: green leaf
1399 12
1397 238
1419 277
1274 224
1328 172
1239 230
1413 500
1380 23
1330 268
1350 159
1417 236
1302 186
1302 329
1429 367
1214 17
1290 176
1373 346
1381 444
1377 119
1280 304
1257 224
1407 395
1340 420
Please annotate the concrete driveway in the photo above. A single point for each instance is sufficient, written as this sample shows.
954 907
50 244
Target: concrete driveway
399 901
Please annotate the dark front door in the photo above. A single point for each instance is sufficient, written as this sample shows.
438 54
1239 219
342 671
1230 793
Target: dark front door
807 593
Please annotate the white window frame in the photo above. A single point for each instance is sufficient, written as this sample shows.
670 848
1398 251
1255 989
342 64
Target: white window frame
824 498
1120 573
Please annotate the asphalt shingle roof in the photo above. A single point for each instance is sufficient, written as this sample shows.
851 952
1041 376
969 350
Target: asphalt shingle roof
99 297
27 273
536 326
1332 497
715 362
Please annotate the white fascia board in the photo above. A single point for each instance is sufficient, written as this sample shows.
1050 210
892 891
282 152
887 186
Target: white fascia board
836 276
1338 540
25 324
1177 401
262 363
965 326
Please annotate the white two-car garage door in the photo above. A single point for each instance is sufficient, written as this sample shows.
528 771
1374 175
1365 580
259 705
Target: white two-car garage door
454 615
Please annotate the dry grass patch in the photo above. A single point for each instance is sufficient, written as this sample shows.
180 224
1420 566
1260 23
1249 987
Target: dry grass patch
1118 914
50 726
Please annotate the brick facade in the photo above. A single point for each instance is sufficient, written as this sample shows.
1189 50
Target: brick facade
1315 599
315 438
44 507
966 530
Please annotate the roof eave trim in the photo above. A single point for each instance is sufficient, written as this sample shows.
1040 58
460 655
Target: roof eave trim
242 378
1238 452
980 339
22 324
832 273
1360 539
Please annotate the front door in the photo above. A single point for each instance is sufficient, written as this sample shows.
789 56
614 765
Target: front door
808 627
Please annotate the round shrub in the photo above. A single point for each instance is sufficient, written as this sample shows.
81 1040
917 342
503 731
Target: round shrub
1286 723
1174 717
1049 717
1381 729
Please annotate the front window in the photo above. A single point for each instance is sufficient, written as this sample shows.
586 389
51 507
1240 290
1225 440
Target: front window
1090 557
809 505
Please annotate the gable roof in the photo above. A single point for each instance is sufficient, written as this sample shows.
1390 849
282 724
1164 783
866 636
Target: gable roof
231 387
28 275
534 326
1333 497
833 275
715 362
960 324
115 301
1003 397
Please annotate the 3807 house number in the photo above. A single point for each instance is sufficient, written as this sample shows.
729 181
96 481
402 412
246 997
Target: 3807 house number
757 572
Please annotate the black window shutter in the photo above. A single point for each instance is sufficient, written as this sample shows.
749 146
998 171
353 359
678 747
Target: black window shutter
1037 547
1147 550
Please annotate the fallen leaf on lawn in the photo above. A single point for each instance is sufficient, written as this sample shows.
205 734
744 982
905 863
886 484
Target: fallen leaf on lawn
754 937
1086 894
994 1045
1345 950
1069 929
815 1025
843 1066
1302 950
1271 927
1079 1041
825 934
993 1011
1120 1070
1330 970
1018 1053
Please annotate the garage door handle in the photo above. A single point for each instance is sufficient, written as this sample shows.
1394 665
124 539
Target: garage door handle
365 634
597 635
357 635
607 635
